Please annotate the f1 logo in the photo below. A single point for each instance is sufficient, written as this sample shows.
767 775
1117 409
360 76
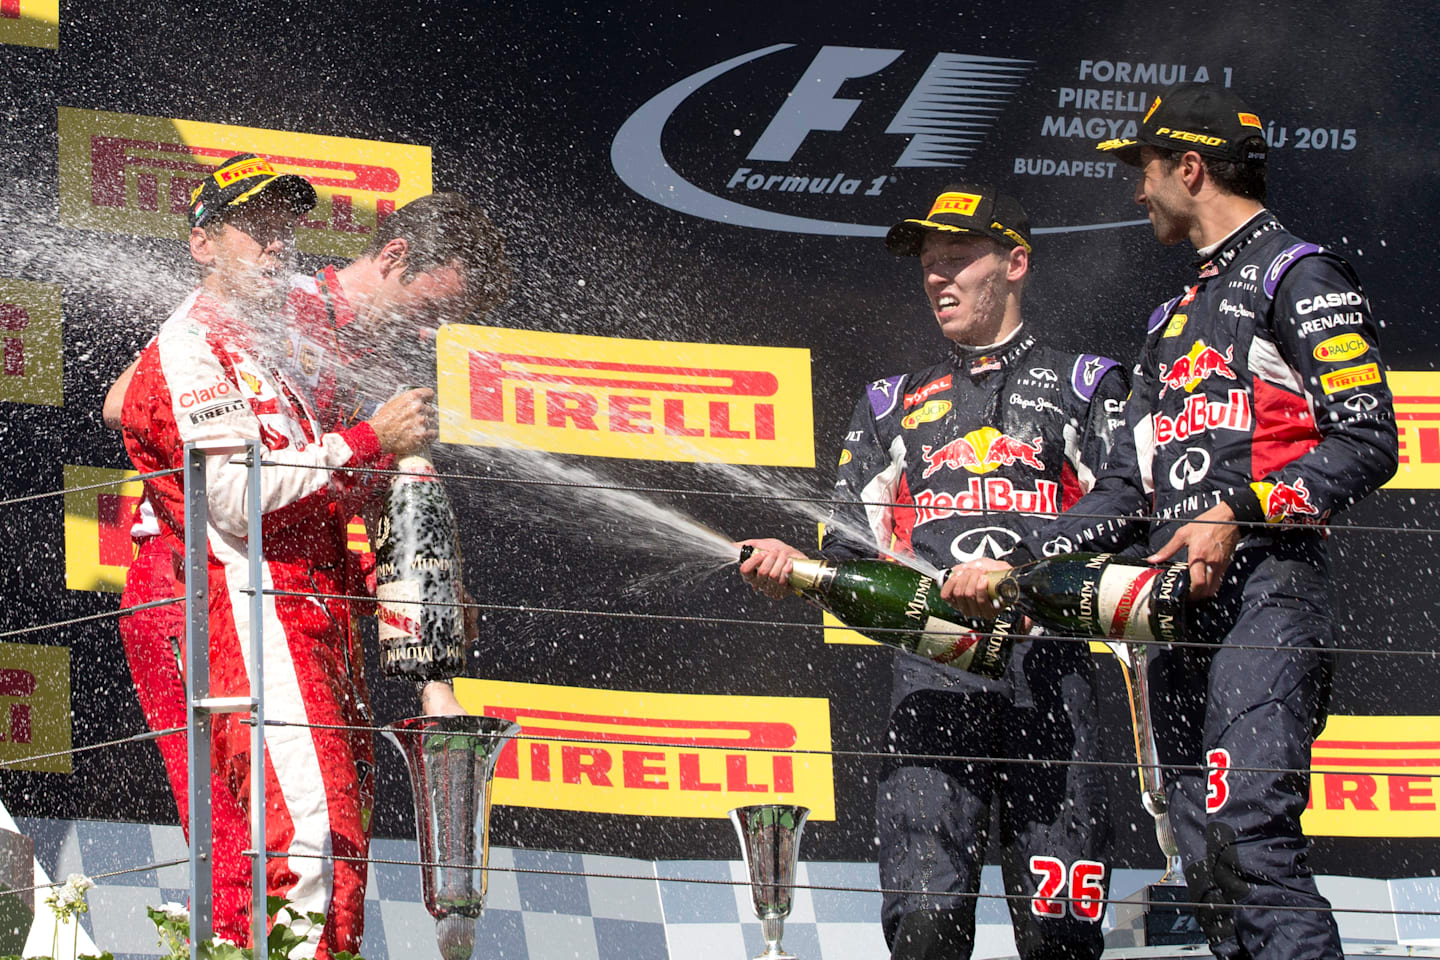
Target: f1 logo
927 116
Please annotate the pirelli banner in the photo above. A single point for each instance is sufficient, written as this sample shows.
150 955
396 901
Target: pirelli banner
693 210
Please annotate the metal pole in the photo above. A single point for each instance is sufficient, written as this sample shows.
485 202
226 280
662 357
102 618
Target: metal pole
197 681
200 706
254 551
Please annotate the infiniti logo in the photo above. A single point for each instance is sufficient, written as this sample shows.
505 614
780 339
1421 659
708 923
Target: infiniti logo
1361 402
1190 468
992 542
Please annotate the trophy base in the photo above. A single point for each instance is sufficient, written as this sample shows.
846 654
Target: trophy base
775 952
1152 917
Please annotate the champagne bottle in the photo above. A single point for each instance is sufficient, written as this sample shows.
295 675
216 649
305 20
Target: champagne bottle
870 594
1099 595
418 559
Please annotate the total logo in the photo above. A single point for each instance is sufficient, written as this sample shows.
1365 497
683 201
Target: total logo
807 165
981 451
1200 364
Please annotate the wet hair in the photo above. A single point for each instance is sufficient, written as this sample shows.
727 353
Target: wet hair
445 228
1243 179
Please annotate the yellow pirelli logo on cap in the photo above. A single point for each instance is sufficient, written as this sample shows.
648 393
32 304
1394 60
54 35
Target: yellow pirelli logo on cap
961 203
124 173
242 171
1350 378
613 397
1151 111
649 754
1189 136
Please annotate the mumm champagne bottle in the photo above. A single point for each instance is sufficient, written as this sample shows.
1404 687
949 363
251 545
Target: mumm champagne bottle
871 594
418 559
1098 595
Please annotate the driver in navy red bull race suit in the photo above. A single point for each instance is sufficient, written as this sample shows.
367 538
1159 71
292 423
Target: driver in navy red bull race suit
957 460
1260 399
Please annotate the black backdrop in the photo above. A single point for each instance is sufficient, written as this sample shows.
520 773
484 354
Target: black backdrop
522 105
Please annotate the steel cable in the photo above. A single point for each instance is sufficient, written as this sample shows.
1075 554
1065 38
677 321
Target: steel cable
833 501
795 624
836 888
103 615
89 486
858 754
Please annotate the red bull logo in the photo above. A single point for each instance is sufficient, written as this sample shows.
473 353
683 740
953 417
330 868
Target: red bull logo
1285 502
981 451
1201 415
1197 366
987 495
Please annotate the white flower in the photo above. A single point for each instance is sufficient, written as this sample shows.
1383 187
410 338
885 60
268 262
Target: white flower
175 911
79 882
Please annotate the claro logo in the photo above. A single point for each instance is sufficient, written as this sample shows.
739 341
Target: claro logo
639 399
656 754
134 174
937 125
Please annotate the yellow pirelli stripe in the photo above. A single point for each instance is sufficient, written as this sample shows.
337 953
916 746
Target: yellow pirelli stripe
649 754
126 173
32 345
613 397
1375 777
35 706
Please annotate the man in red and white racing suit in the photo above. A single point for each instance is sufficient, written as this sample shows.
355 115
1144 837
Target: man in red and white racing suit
209 375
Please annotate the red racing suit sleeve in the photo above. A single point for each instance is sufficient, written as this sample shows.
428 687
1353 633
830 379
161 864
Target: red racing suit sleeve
215 394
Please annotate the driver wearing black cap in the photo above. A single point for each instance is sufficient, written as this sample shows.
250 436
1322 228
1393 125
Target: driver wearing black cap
1261 408
954 461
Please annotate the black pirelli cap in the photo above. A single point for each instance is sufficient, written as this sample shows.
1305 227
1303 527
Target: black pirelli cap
1203 117
964 208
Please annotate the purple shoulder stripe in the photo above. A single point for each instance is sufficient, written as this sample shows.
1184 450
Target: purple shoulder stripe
1284 262
1161 314
1086 374
884 395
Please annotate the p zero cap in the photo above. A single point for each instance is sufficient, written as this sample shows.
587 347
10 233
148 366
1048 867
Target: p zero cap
1203 117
